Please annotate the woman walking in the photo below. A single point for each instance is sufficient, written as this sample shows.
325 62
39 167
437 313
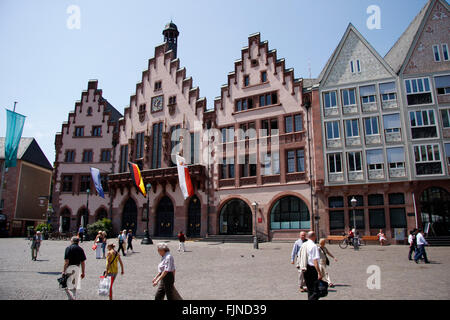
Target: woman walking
104 243
112 268
324 262
166 275
98 243
121 243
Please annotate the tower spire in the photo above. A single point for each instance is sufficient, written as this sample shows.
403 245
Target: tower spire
171 33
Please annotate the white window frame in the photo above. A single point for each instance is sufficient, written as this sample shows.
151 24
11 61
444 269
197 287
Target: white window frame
347 91
419 147
445 50
334 161
346 133
332 127
418 91
389 98
353 154
335 98
436 50
394 165
358 65
352 66
371 126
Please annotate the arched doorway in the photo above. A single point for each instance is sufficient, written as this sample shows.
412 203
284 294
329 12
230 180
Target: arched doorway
435 209
194 217
164 217
129 216
290 213
235 218
101 214
82 212
65 221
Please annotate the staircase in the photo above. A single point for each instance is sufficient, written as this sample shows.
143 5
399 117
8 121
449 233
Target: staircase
443 241
229 238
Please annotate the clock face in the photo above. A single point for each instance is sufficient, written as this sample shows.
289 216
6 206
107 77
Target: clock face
157 103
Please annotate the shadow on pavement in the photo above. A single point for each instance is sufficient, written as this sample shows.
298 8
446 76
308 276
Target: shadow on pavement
51 273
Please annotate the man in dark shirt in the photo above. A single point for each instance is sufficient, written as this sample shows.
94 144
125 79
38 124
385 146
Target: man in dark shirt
74 257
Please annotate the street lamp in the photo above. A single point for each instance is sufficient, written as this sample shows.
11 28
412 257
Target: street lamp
147 239
86 214
255 238
353 202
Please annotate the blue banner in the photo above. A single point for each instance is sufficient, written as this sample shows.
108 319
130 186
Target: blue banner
14 128
95 173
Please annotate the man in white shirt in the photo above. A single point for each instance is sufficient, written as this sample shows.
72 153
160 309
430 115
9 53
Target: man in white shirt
295 250
412 243
421 243
312 273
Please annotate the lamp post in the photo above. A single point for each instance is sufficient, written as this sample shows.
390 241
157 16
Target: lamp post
46 215
353 202
147 239
255 237
86 216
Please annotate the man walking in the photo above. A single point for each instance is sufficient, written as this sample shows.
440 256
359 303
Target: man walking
294 255
421 243
81 233
309 263
35 245
412 243
74 257
122 238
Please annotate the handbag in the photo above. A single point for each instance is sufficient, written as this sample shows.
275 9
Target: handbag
104 286
321 288
326 257
94 247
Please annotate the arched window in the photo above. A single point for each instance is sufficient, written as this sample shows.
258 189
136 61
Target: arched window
289 213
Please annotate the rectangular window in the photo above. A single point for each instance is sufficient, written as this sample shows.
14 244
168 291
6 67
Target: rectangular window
79 131
351 128
367 94
97 131
423 124
375 200
354 162
330 100
358 66
85 183
447 153
70 156
377 219
67 183
442 84
157 145
388 91
337 221
396 157
445 51
246 81
428 159
396 198
104 182
105 155
359 201
397 217
335 202
263 76
270 164
334 163
392 123
332 130
295 161
371 126
123 159
352 66
288 124
349 97
359 217
298 123
418 91
87 155
293 123
158 85
436 53
375 159
139 145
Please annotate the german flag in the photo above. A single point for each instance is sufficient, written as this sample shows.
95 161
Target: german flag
137 178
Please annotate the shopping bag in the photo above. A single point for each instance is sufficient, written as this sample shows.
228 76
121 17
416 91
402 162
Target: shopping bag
94 247
104 286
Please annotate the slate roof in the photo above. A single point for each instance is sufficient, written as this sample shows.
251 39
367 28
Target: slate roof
28 151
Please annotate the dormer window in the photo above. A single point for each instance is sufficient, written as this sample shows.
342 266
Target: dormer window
254 63
355 66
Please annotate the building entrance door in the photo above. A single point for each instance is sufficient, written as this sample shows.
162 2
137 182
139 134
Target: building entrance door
435 209
194 217
236 218
129 216
164 216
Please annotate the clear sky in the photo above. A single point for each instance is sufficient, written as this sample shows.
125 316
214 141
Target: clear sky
45 66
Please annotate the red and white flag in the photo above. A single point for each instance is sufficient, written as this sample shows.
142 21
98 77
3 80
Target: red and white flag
184 178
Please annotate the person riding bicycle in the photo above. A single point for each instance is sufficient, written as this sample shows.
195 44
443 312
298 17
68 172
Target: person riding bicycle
351 236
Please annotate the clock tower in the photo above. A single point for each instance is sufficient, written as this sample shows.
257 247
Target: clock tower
171 33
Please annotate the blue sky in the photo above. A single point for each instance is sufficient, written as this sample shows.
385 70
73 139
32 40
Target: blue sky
44 65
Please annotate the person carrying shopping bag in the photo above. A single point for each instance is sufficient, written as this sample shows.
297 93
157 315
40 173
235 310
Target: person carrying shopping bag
112 269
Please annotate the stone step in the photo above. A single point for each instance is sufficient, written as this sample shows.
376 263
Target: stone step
229 238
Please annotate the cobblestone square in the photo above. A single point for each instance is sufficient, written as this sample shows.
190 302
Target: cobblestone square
216 271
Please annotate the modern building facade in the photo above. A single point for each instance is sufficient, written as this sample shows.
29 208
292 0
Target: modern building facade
86 140
23 186
420 57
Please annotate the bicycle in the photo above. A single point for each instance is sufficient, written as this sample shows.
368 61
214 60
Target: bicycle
346 242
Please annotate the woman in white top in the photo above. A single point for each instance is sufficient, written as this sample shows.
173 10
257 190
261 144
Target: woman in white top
98 242
323 262
166 275
382 237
